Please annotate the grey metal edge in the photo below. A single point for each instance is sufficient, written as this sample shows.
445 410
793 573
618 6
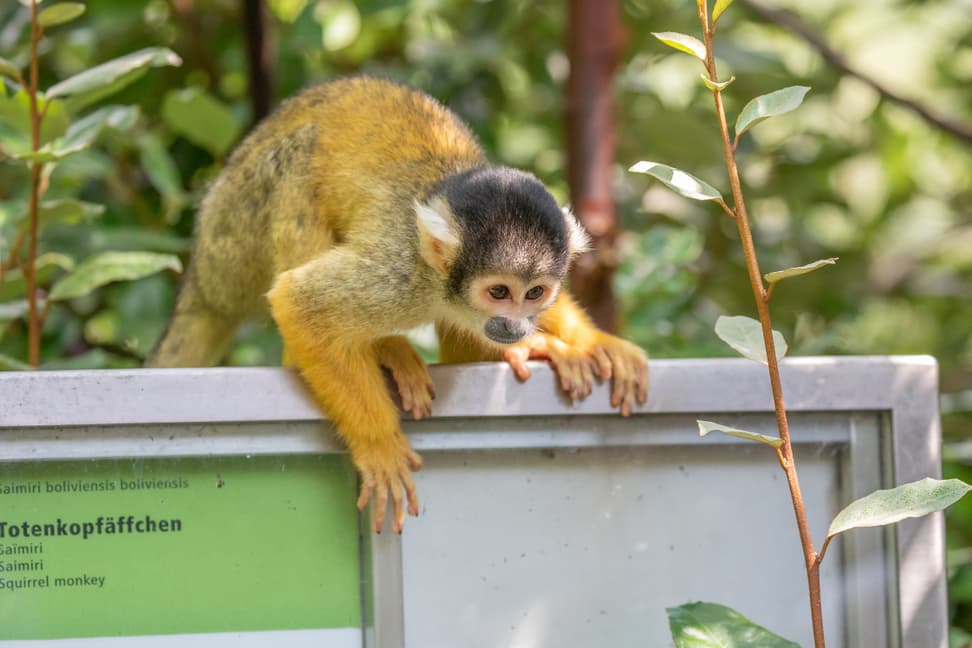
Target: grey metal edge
55 409
212 395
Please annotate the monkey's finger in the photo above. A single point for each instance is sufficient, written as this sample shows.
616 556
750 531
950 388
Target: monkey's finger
424 402
643 382
626 389
418 411
582 384
629 387
405 391
619 384
566 384
603 361
589 370
413 459
367 485
409 483
516 357
381 504
398 508
570 380
626 403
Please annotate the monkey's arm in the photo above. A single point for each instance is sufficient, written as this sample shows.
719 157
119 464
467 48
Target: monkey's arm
580 352
332 340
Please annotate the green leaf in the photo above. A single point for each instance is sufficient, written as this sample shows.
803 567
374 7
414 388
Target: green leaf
340 22
15 110
87 129
13 310
745 335
139 238
12 140
202 119
769 105
716 85
893 505
773 277
14 283
60 13
710 625
107 267
8 69
48 153
720 6
708 426
69 210
101 80
683 43
163 173
12 364
679 181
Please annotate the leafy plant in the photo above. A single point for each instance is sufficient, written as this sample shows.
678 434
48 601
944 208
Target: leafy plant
43 129
756 340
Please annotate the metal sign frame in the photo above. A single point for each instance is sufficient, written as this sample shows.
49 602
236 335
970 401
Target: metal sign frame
207 412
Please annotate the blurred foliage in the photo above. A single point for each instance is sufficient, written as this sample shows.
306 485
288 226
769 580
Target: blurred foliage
848 175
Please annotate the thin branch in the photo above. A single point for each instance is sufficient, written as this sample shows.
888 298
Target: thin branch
30 269
769 293
792 22
785 451
727 208
823 551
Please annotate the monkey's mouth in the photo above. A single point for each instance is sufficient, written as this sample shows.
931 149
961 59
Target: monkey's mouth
501 339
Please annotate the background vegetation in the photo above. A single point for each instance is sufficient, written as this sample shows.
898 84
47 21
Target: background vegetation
850 174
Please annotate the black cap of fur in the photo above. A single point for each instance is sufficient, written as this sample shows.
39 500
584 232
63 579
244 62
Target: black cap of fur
510 223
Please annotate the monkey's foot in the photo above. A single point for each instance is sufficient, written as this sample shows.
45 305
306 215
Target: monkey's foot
410 373
387 470
606 357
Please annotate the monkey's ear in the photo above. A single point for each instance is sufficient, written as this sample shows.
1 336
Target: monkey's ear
577 239
438 234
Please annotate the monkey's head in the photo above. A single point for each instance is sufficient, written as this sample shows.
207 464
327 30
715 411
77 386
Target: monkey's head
503 247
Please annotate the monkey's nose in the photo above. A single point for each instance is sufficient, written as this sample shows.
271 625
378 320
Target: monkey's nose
507 331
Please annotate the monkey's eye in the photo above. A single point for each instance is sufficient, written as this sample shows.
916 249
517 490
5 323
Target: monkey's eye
499 292
535 293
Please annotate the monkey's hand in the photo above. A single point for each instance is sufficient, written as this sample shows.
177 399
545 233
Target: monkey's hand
602 356
387 469
410 373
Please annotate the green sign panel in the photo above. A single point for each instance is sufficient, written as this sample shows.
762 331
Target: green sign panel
107 548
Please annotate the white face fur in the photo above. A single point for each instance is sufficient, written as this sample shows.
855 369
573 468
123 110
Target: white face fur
500 307
510 305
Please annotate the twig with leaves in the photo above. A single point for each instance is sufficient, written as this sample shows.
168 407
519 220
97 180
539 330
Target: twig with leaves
38 132
758 341
789 20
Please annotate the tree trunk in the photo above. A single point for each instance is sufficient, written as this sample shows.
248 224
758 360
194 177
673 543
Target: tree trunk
260 56
595 39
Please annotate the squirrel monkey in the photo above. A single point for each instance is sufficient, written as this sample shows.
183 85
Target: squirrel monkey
361 209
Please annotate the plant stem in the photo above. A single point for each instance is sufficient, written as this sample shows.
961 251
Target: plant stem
785 452
30 269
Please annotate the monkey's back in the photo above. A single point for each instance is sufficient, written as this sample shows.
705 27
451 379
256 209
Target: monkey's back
374 142
340 161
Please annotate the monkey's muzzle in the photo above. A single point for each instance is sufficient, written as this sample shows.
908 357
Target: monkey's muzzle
508 331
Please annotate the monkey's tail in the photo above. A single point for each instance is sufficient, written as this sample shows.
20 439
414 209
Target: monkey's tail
197 335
